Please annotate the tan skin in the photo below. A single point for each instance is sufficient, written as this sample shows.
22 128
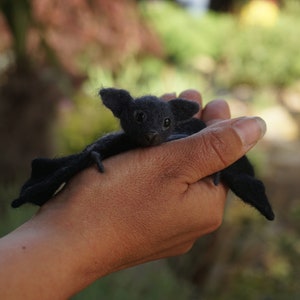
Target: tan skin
150 204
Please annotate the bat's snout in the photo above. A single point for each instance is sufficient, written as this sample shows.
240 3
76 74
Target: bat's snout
152 138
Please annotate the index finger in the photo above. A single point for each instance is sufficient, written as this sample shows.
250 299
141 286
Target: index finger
215 110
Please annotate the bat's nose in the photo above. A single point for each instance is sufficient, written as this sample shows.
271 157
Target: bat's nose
151 137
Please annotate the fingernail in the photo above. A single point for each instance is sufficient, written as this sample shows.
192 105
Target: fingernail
250 129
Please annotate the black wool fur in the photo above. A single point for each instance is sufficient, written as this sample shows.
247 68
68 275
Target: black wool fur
145 121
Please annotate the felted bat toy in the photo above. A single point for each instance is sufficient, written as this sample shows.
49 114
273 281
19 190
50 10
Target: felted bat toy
145 121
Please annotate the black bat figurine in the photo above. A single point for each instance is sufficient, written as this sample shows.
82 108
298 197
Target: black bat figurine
145 121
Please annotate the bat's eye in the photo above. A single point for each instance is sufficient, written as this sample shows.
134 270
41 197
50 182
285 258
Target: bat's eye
139 116
167 123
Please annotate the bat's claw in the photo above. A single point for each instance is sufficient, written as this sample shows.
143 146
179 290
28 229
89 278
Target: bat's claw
97 159
16 203
216 178
270 215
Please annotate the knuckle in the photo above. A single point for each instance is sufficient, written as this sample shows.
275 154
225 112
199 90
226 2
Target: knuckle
219 149
216 222
216 145
183 249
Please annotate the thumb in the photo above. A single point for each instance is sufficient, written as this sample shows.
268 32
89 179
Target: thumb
215 148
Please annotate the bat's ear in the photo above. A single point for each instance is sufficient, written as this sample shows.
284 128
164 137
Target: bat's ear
116 100
183 109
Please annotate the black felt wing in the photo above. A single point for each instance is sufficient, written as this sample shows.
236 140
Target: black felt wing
48 175
240 178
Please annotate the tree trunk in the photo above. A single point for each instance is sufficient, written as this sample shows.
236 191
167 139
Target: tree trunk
27 111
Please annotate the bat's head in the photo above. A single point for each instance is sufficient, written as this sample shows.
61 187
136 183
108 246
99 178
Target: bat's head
147 120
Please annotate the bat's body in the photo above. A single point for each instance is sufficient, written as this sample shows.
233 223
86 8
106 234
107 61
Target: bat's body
146 121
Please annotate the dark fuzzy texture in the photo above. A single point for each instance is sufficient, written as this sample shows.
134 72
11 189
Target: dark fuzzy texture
146 121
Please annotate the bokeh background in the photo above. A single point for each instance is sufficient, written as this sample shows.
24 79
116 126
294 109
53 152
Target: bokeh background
54 57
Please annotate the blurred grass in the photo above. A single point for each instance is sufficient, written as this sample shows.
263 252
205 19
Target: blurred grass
149 281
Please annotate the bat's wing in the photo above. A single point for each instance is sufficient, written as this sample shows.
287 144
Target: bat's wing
242 166
48 175
249 189
41 168
39 190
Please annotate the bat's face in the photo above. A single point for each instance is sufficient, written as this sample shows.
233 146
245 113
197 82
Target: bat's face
148 121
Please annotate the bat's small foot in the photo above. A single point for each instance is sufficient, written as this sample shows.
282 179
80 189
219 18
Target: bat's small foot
16 203
97 159
216 178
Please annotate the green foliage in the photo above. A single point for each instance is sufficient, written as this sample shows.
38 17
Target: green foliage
148 282
144 76
208 52
274 280
253 55
263 56
19 19
186 36
82 122
292 8
13 218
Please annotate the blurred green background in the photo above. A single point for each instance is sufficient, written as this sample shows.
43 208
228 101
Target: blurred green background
55 55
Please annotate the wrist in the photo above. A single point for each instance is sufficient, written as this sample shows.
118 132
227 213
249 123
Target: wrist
90 248
47 259
74 256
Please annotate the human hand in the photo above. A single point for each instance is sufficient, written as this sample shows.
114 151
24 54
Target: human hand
150 203
155 202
